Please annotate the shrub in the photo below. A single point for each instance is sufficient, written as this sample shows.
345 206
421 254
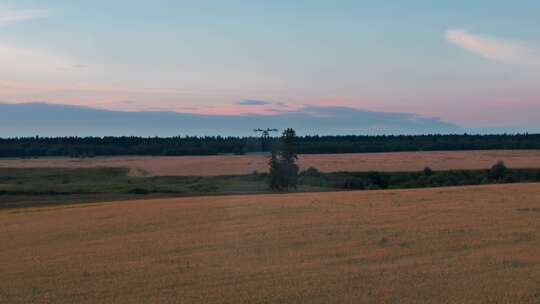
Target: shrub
373 187
311 172
498 171
139 191
428 171
509 179
354 183
377 179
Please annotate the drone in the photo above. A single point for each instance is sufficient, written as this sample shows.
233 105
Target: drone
265 132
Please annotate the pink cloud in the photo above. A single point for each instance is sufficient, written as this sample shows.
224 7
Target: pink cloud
497 49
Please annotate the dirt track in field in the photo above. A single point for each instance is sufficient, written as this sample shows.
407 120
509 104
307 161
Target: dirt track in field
228 164
449 245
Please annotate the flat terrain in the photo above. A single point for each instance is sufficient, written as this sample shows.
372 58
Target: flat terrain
230 164
448 245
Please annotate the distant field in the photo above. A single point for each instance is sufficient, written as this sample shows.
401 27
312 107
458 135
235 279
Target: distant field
229 164
447 245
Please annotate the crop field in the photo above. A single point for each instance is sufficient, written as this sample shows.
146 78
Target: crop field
475 244
235 165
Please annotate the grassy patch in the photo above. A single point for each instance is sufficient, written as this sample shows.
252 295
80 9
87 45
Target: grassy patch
30 187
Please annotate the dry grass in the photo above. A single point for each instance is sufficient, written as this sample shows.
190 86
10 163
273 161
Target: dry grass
229 164
447 245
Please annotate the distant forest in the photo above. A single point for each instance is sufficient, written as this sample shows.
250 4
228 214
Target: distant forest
110 146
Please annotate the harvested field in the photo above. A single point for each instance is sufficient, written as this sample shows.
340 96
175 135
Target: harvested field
230 165
447 245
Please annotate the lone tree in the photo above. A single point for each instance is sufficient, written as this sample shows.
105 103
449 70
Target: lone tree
283 170
274 180
498 171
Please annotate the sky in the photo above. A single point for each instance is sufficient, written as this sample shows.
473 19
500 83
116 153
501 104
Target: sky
473 63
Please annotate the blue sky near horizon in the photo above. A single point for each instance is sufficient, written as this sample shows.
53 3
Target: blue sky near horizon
473 63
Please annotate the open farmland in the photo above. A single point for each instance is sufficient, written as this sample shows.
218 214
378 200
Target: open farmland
230 164
448 245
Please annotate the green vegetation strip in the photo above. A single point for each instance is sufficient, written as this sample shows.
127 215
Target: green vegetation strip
37 186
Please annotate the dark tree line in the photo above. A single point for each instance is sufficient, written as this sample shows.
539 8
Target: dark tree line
102 146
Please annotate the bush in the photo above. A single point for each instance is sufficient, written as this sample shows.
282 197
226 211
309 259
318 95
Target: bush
378 179
139 191
509 179
311 172
373 187
498 171
428 171
354 183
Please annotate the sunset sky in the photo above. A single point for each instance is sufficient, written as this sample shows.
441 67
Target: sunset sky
474 63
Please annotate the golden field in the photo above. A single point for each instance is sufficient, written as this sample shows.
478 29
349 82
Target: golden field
232 165
476 244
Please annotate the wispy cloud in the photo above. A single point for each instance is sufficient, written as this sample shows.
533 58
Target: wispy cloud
13 15
502 50
254 102
19 61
